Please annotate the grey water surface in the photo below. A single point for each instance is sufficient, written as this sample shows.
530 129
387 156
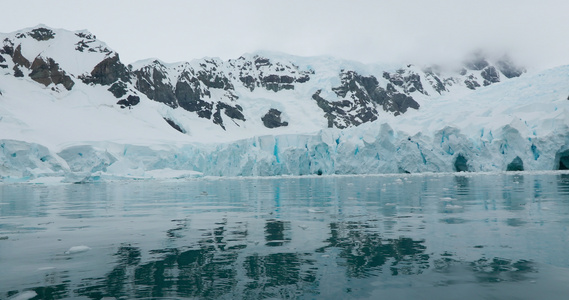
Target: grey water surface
446 236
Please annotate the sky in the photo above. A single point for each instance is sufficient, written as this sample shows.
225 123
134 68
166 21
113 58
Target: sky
533 33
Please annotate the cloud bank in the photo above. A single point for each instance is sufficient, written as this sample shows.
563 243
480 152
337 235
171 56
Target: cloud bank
408 31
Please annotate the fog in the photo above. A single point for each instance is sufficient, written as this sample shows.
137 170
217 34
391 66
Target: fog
406 31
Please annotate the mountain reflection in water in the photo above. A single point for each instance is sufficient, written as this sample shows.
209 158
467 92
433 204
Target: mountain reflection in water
337 238
211 269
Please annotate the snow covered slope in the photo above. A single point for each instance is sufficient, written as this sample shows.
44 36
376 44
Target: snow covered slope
71 110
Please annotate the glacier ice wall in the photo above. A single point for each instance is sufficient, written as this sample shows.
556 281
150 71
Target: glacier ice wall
372 149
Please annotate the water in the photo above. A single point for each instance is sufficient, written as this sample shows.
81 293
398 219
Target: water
499 236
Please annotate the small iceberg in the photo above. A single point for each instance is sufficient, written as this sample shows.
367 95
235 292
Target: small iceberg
24 295
77 249
453 207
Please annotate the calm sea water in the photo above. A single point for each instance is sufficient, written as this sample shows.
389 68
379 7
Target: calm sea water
502 236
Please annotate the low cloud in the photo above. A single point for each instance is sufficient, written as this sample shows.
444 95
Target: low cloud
420 31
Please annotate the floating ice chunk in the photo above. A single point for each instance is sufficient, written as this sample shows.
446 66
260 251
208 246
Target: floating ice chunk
453 207
24 295
77 249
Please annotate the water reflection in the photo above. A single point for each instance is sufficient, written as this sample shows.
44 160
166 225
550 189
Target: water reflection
208 269
365 253
277 233
487 270
280 275
337 237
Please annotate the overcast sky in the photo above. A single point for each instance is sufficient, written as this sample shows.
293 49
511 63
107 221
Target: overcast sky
417 31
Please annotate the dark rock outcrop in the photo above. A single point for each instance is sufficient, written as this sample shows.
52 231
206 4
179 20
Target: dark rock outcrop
490 75
471 82
508 68
119 89
2 62
234 112
262 72
46 71
516 165
409 81
344 113
8 48
19 59
272 119
364 94
18 72
129 102
435 80
389 98
107 72
42 34
151 81
190 97
174 125
277 83
191 89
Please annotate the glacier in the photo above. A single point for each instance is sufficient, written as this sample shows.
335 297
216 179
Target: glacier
51 132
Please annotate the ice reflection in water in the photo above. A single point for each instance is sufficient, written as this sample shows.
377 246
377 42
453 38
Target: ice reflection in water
484 236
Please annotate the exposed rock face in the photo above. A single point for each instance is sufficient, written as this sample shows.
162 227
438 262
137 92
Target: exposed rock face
509 69
151 80
210 86
272 119
471 82
213 89
119 89
18 72
89 43
19 59
46 71
433 77
273 76
42 34
174 125
410 82
191 89
108 71
516 165
129 102
490 75
366 90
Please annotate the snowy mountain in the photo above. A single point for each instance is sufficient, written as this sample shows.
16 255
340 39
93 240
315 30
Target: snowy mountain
70 108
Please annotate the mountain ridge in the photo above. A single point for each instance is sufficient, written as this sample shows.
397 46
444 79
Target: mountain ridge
211 87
